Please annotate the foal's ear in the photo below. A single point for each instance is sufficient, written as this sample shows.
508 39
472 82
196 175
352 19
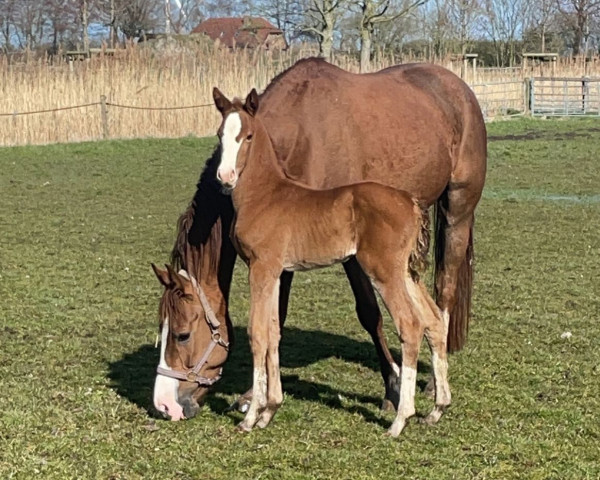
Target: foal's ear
177 280
162 275
221 101
251 105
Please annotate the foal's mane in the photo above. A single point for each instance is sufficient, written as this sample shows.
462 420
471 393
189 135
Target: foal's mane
199 234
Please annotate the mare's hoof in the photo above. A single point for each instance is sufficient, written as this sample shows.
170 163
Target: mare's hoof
387 406
429 389
242 405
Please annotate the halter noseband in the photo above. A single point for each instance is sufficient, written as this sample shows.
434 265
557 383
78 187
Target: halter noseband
193 374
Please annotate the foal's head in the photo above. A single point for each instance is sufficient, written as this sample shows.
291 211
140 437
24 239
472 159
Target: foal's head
235 133
194 345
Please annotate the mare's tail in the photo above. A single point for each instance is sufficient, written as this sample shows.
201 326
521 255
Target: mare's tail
461 312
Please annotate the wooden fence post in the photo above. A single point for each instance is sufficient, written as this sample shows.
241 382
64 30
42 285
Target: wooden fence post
527 95
104 114
530 95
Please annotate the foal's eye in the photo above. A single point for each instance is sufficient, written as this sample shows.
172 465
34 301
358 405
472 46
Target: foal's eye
182 337
249 137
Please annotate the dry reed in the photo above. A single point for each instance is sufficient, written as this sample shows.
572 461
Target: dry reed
146 78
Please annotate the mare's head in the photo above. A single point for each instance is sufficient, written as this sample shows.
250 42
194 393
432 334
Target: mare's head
235 133
194 345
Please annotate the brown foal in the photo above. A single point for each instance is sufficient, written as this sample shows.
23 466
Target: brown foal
282 225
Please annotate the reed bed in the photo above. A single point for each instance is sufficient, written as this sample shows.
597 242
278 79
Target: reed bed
166 92
137 83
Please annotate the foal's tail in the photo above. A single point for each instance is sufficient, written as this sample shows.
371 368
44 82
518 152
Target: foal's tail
461 312
418 261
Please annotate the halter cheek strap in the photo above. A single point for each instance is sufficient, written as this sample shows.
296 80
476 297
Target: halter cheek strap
193 374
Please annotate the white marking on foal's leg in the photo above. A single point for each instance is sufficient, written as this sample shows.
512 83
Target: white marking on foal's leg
230 148
259 399
446 317
165 388
442 387
396 369
406 407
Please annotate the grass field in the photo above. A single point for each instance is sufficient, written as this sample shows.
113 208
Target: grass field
80 224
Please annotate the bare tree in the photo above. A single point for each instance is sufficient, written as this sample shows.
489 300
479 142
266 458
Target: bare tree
183 15
463 16
321 19
29 22
436 24
61 16
375 12
579 14
504 23
8 10
287 15
541 19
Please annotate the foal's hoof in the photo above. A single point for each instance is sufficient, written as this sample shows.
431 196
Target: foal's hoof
434 416
397 427
243 427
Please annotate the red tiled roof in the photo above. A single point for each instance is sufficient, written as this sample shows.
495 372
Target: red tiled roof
238 32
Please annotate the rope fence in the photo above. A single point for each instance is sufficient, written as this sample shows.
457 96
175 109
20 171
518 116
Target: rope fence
104 105
50 110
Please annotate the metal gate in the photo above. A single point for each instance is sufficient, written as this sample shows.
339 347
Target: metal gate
564 96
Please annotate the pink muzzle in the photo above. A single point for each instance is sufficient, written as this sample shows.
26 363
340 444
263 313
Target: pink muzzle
227 177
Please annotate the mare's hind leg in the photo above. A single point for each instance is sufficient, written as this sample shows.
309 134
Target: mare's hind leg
454 258
285 284
369 315
454 261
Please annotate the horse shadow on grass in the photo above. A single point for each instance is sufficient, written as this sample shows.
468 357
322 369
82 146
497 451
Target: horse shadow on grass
132 376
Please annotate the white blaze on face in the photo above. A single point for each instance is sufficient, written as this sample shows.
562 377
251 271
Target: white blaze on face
230 148
165 388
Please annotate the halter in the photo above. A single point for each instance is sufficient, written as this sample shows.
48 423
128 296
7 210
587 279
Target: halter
193 374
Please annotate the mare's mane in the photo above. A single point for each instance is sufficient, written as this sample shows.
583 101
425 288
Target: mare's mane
199 234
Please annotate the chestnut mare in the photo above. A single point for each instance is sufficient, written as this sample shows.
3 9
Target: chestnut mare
416 128
283 225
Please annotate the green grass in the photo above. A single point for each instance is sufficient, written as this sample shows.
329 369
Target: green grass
80 224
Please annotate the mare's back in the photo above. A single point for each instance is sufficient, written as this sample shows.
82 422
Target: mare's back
330 127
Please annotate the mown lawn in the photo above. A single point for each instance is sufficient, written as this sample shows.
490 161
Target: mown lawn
80 224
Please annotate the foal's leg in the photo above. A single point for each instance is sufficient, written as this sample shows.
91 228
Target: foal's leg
263 290
274 390
436 332
410 330
285 284
369 315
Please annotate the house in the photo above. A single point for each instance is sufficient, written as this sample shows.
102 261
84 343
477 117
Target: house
246 32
